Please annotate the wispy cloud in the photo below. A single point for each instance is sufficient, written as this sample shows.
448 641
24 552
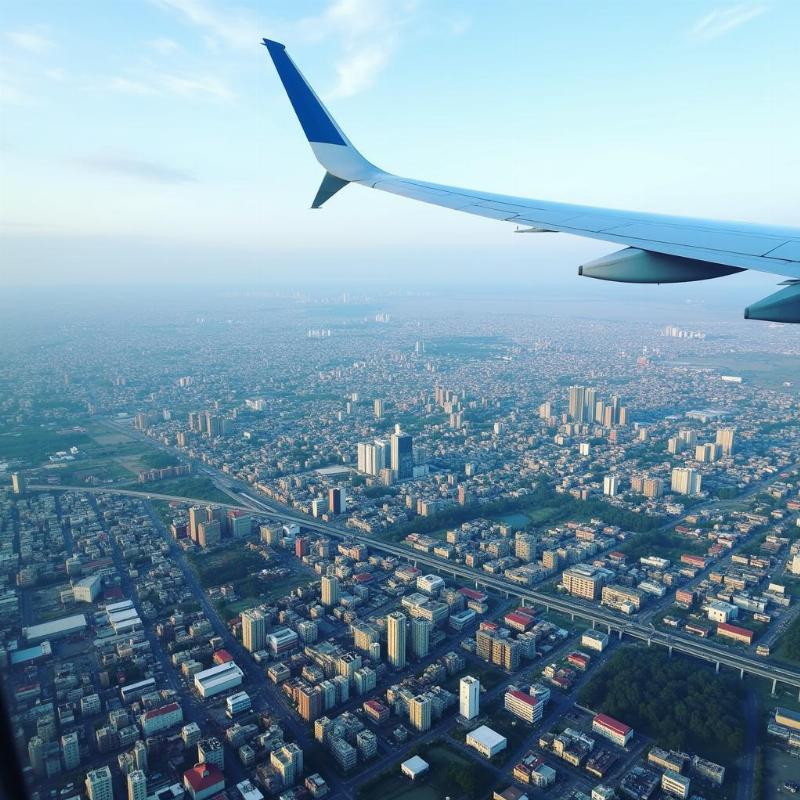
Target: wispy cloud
723 20
166 83
32 41
370 32
134 168
164 46
234 27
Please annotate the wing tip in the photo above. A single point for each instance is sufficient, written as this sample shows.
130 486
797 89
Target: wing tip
272 45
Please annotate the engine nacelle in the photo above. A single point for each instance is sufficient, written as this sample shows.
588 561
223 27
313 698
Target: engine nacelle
642 266
783 306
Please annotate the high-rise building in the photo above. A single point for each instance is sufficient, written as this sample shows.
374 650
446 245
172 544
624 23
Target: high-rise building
402 445
577 401
17 483
583 581
525 547
611 485
70 751
196 516
377 407
469 692
98 784
652 487
686 481
254 629
330 590
137 785
140 756
419 712
396 638
420 637
725 440
337 500
287 761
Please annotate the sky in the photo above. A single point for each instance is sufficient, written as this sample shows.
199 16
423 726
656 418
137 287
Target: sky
150 141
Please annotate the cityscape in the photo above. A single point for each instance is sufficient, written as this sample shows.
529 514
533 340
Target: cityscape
399 400
302 544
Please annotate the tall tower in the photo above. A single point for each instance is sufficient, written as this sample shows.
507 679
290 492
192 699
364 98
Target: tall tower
469 692
396 638
420 712
17 483
330 590
254 630
724 440
402 454
420 637
577 403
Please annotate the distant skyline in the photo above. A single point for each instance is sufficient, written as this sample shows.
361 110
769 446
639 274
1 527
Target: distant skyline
150 142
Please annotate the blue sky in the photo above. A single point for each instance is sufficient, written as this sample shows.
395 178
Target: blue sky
150 140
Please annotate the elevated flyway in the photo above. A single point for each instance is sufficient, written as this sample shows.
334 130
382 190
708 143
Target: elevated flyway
597 616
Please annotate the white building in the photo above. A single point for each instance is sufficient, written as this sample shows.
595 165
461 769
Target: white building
237 703
594 640
430 584
611 485
469 693
686 481
486 741
98 784
218 679
137 785
720 611
161 719
87 589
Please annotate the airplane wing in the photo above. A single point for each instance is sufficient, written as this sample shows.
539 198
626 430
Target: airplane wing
658 249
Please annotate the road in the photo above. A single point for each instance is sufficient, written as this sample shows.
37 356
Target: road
568 605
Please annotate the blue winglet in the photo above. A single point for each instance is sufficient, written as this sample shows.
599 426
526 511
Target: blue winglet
314 119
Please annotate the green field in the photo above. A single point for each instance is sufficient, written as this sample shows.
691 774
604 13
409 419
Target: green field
197 487
451 775
233 564
488 675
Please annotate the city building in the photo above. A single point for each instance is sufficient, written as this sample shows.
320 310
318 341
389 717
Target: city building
330 590
420 637
583 581
402 449
486 741
419 710
218 679
137 785
396 638
99 785
618 732
70 751
686 480
337 500
254 629
469 693
203 781
675 785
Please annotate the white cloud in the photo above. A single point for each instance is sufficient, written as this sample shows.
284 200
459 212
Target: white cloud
370 32
169 84
724 19
233 26
164 46
29 40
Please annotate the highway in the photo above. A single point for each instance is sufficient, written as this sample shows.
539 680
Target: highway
575 608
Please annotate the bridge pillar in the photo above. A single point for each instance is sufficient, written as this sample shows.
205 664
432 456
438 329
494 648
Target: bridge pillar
741 672
547 608
670 651
716 667
620 631
609 628
774 686
573 617
507 595
476 583
594 622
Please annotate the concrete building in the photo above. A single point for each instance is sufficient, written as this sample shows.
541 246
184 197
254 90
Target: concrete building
203 781
612 729
254 629
686 481
675 785
330 590
583 581
99 785
419 712
486 741
396 638
137 785
469 693
70 751
420 637
218 679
